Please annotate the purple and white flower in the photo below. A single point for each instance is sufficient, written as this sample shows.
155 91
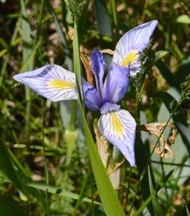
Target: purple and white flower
117 125
131 45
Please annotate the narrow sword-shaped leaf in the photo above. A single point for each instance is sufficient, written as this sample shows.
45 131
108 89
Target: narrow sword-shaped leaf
108 196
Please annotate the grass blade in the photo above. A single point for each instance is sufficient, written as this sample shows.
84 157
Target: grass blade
6 166
27 49
108 196
156 205
103 22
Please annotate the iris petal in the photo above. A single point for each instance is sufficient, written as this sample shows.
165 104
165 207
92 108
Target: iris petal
131 58
109 107
91 97
116 83
52 82
119 128
132 43
98 68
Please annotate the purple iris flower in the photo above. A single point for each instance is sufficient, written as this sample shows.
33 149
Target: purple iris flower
117 125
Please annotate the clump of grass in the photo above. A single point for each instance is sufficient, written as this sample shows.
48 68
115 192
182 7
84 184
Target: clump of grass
47 165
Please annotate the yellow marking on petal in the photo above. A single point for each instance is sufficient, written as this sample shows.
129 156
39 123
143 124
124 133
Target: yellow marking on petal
61 84
116 123
131 57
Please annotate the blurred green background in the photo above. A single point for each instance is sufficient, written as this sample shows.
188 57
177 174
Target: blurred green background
44 160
